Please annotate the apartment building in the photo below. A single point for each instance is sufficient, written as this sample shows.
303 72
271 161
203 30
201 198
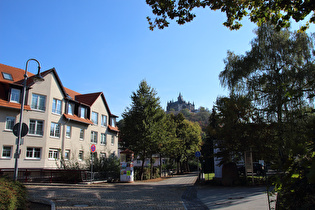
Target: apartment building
62 123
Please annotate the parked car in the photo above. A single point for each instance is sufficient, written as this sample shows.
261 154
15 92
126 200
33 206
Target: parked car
258 169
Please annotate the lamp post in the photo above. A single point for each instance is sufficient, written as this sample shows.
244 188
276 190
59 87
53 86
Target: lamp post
37 77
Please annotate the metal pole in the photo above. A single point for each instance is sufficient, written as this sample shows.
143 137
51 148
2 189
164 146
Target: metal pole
198 170
17 152
91 167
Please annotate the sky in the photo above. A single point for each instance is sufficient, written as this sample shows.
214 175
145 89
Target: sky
106 46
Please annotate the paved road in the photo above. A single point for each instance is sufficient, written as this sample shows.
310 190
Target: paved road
177 192
166 194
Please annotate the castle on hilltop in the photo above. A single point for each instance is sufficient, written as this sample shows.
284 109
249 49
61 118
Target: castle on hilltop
179 105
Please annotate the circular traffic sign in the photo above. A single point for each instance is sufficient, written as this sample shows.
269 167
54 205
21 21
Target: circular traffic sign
93 148
198 154
16 129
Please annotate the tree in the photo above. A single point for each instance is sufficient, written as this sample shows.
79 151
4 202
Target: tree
277 74
188 136
141 130
278 12
235 127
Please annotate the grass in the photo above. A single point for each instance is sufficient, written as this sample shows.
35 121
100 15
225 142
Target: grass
209 176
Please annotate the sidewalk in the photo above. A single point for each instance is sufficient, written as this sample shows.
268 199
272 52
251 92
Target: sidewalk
234 198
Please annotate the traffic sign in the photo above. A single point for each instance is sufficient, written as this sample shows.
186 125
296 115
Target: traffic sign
16 129
93 148
198 154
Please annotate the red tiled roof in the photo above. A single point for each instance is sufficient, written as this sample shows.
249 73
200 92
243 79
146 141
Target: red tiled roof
78 119
4 103
71 93
18 77
17 74
88 99
113 128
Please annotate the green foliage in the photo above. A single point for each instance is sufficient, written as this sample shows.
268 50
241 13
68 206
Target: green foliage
277 76
186 142
201 116
147 130
147 173
277 12
13 195
108 168
70 165
142 127
71 171
234 128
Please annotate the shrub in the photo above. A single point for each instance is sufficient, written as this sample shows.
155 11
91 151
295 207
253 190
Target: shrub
146 173
13 195
107 168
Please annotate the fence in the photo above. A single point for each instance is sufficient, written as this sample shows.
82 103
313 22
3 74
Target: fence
47 175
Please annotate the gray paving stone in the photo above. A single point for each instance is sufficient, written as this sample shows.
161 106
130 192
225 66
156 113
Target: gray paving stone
166 194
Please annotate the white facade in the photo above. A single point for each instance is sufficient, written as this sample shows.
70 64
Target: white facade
57 127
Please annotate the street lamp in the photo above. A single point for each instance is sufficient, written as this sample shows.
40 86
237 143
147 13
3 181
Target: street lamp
36 78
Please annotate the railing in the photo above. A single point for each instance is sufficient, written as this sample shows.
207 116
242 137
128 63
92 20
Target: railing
47 175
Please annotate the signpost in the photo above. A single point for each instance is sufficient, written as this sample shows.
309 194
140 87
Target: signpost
93 149
16 129
198 154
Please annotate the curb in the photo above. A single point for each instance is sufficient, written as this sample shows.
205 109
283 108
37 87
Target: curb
44 201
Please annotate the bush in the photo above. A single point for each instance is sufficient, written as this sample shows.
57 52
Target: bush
13 195
107 168
146 173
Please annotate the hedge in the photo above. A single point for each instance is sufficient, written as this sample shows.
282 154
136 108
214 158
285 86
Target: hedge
13 195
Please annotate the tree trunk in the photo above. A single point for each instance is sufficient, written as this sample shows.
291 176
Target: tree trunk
141 171
160 165
151 167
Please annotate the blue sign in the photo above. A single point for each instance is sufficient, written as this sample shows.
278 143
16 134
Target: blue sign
198 154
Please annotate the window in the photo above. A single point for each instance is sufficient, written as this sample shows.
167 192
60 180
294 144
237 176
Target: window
15 95
68 131
53 154
9 123
103 138
102 155
7 76
81 155
55 130
38 102
113 122
113 140
70 109
56 106
93 137
104 120
6 151
67 154
82 112
33 153
36 127
81 134
95 118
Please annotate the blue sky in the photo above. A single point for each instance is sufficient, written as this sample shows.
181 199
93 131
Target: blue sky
106 46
